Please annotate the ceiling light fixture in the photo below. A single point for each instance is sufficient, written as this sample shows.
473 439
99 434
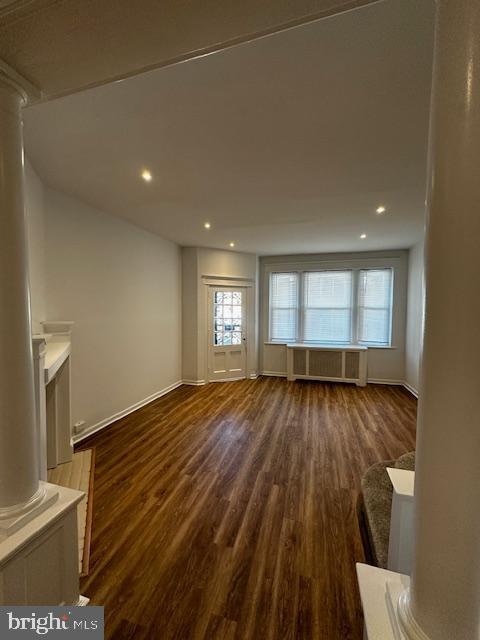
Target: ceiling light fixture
146 175
207 225
363 236
381 209
232 244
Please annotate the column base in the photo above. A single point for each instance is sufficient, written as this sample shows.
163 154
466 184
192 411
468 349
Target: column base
39 561
408 624
379 612
14 518
386 605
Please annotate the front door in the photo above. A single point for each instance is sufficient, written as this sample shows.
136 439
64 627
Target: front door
227 349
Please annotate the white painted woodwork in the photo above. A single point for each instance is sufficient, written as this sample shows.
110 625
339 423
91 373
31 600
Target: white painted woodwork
377 587
39 562
445 591
38 542
201 269
19 468
335 368
400 549
415 316
125 39
227 362
39 348
53 393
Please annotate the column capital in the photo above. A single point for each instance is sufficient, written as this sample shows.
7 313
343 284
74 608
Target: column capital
15 81
39 346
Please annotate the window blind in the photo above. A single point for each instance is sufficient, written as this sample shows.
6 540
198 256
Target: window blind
283 306
375 306
327 306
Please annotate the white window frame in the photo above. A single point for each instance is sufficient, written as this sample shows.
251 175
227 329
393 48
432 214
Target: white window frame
300 273
389 308
296 308
353 329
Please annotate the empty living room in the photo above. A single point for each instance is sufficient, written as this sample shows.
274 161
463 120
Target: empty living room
239 310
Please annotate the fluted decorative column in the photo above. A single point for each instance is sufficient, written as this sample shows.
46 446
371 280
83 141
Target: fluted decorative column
443 602
19 473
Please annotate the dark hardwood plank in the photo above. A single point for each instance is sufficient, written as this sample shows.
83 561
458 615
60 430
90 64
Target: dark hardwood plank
228 511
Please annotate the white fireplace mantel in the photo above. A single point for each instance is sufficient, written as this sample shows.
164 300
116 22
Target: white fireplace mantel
52 351
56 354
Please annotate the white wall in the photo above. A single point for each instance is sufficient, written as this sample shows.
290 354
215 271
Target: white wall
122 288
34 206
384 364
415 316
199 263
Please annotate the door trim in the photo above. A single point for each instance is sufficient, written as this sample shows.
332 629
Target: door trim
238 283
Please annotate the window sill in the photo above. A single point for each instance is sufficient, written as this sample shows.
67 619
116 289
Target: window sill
320 344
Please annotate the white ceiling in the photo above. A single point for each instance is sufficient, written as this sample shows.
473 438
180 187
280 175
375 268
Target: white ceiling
64 46
286 144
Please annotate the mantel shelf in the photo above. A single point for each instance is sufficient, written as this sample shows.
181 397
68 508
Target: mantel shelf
56 354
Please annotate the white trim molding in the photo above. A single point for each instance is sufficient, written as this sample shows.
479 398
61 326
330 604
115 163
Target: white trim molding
412 390
22 85
194 383
398 383
125 412
274 374
227 281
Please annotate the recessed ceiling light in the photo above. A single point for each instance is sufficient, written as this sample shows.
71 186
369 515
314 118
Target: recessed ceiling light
232 244
381 209
363 236
207 225
146 175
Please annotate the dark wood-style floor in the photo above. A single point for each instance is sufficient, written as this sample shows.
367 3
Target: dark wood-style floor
228 511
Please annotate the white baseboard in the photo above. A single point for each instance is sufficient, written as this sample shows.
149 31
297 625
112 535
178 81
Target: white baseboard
121 414
412 390
275 374
194 383
400 383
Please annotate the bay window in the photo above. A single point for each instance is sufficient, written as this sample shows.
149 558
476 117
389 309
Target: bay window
332 306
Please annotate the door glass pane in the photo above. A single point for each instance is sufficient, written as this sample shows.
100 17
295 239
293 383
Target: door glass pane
227 318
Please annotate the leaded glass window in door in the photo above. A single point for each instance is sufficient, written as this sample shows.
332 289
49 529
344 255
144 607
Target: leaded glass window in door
227 318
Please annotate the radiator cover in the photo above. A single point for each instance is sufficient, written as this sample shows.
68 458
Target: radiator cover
335 363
